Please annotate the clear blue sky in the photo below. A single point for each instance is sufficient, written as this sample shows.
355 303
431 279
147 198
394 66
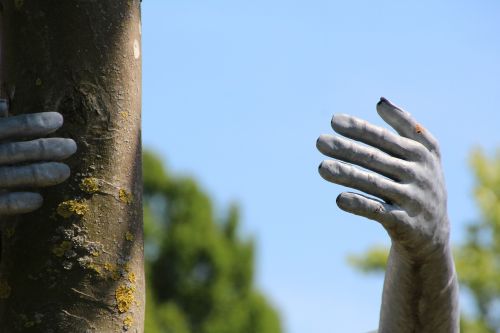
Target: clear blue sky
236 93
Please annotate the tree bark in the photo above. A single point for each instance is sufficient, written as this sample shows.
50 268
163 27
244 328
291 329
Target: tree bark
76 265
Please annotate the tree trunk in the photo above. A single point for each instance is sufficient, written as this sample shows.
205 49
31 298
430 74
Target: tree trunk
76 265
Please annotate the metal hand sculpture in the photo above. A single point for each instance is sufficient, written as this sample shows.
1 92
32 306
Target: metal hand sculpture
420 288
30 164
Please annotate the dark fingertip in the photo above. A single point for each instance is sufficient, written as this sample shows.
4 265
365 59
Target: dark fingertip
337 201
341 121
383 100
340 201
320 143
334 122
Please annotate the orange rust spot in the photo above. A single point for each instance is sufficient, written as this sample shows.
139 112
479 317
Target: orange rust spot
419 129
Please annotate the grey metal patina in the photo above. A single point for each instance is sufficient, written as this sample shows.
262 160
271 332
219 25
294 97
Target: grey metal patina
30 164
420 289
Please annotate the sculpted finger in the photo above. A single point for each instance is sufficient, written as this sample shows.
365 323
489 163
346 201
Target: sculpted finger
26 125
51 149
378 137
19 202
405 125
34 175
347 175
367 157
358 204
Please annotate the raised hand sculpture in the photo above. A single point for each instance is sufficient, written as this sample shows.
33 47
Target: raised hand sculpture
30 164
409 200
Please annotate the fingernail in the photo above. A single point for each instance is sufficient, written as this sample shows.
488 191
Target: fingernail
385 101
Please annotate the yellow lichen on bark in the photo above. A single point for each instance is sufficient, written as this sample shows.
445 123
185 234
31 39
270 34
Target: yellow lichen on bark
114 272
128 321
125 196
124 295
94 267
129 236
72 207
116 275
93 210
90 185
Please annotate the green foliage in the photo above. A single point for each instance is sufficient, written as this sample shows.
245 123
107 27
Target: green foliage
200 271
373 261
474 325
478 258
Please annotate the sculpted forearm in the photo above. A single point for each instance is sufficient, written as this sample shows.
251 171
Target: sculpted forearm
407 195
420 296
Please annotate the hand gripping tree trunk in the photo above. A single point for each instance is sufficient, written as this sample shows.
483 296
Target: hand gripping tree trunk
76 265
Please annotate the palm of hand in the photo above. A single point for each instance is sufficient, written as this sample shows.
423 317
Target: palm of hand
407 177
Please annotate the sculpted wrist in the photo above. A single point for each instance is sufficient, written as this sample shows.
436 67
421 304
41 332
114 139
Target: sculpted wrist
433 251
